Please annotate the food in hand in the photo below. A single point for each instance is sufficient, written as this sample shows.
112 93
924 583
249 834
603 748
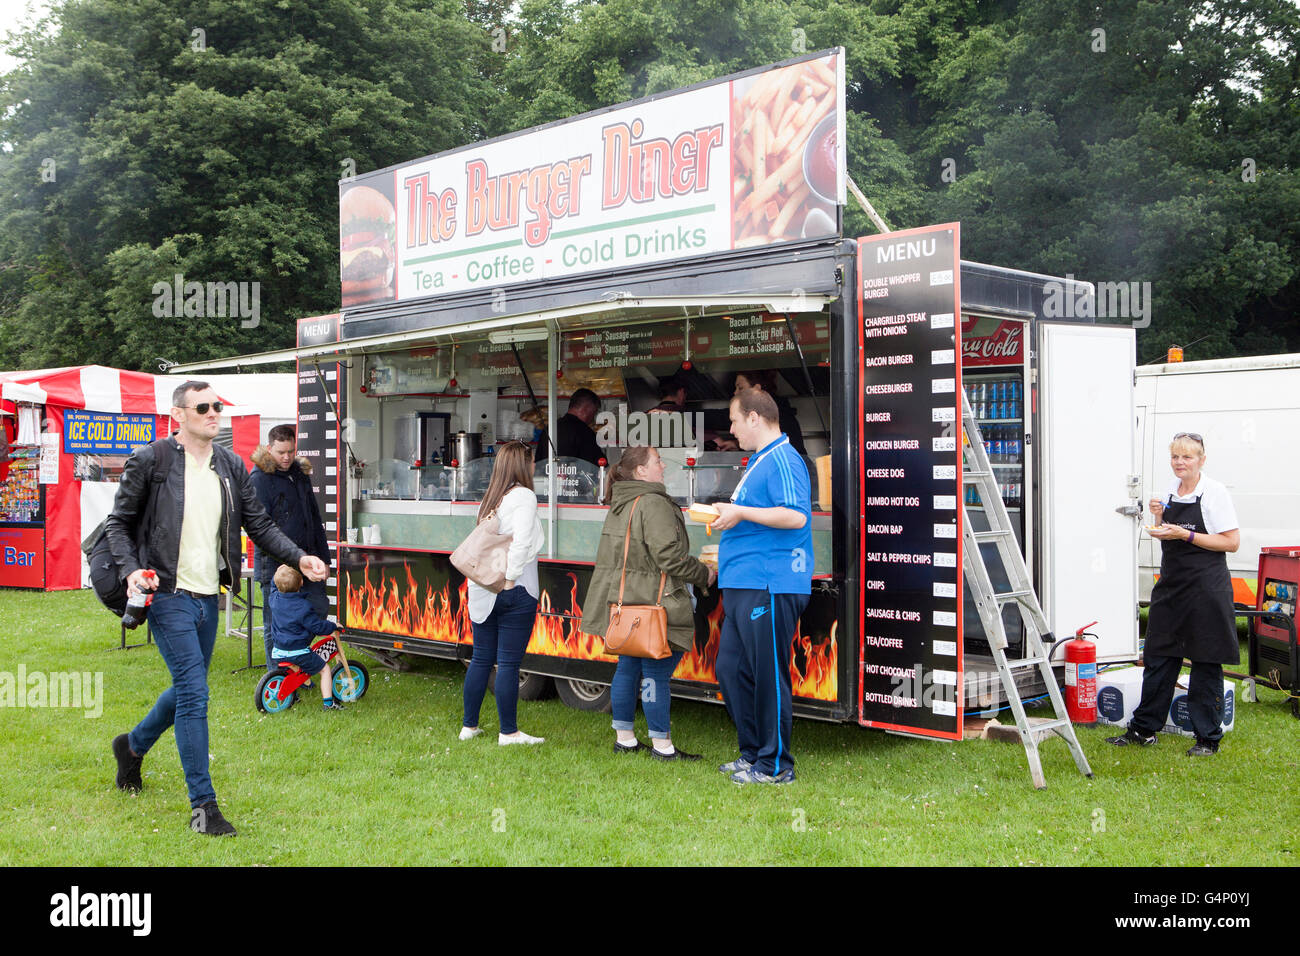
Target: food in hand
705 513
702 512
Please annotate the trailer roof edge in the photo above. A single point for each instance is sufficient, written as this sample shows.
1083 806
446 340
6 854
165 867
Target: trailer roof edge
625 306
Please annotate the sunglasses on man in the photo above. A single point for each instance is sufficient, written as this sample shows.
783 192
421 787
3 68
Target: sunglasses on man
202 407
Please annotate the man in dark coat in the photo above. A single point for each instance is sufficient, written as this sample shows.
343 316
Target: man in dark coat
574 437
284 489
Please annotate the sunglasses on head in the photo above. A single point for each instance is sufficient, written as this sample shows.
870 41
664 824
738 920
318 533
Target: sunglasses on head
1193 436
202 407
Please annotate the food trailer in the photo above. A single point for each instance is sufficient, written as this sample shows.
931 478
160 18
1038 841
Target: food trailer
688 237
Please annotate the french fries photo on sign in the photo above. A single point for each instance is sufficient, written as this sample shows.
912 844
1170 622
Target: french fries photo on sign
787 153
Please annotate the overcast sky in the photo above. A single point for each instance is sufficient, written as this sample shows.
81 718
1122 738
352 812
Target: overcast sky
13 13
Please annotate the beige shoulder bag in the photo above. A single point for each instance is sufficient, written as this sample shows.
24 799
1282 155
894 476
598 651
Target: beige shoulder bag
483 555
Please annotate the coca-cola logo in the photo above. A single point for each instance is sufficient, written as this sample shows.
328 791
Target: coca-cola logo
991 349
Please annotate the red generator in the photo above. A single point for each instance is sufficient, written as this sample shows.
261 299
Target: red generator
1273 654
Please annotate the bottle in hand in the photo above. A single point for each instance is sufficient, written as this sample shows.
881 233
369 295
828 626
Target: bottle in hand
137 606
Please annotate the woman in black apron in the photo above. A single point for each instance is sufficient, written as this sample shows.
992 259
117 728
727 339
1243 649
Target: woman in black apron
1191 612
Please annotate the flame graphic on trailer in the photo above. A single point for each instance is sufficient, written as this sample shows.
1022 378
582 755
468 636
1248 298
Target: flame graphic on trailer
387 600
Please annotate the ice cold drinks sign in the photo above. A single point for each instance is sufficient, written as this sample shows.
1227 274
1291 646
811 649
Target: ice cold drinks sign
105 433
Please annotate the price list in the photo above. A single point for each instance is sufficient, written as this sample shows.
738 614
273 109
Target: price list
754 338
908 301
319 432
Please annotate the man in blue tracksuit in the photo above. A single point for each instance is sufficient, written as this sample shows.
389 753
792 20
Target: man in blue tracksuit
765 563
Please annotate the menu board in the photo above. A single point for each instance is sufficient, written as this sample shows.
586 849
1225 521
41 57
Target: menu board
320 433
452 369
753 339
911 479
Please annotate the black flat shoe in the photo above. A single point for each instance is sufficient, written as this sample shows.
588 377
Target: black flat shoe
1132 737
620 749
678 754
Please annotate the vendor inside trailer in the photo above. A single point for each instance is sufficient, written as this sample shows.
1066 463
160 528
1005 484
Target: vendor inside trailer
440 411
426 421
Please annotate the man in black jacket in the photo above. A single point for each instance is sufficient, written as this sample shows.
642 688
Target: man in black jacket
193 547
284 489
574 437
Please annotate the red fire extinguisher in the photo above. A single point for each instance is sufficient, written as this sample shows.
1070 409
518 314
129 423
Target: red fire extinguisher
1081 677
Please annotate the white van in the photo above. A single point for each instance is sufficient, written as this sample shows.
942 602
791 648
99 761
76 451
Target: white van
1248 410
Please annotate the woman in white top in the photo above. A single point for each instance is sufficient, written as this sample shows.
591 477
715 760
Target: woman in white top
1191 615
503 622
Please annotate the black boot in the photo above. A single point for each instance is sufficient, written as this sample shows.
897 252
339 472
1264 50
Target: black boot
207 818
128 765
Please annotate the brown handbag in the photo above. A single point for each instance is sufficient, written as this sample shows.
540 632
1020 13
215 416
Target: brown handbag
482 556
637 630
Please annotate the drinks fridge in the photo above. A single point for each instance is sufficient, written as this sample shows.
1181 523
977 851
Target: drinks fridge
994 359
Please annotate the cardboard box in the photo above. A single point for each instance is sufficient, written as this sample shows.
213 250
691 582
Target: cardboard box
1119 691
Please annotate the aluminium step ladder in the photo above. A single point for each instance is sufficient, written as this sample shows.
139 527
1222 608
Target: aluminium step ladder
977 471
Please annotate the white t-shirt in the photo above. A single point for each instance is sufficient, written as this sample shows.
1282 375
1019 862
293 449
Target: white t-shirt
517 517
1216 504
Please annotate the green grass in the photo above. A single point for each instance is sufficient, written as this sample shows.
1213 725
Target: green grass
387 782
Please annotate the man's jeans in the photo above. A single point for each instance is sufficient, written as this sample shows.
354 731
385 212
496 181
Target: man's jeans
185 629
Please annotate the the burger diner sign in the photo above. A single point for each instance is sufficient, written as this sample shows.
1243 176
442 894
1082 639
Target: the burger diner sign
747 160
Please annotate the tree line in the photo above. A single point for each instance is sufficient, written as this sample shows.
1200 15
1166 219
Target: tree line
1136 141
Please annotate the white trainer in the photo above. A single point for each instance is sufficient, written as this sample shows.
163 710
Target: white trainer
468 733
519 737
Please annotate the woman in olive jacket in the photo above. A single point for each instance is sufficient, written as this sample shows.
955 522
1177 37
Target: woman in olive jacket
659 544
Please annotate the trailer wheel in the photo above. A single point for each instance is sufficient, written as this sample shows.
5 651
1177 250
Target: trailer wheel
583 695
531 686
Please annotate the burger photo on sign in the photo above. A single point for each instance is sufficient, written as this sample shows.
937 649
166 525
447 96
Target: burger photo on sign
367 246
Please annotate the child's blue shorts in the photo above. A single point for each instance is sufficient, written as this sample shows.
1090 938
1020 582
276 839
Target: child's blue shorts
309 663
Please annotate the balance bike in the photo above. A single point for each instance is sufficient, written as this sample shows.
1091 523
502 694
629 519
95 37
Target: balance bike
277 691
